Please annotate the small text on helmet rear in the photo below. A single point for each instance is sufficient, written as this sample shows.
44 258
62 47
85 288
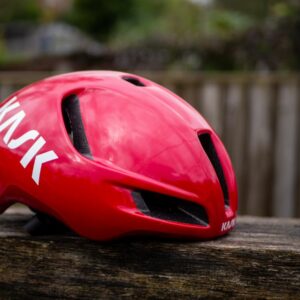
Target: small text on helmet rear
228 224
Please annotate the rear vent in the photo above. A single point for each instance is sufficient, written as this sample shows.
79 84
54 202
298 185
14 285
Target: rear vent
170 208
133 80
211 152
74 125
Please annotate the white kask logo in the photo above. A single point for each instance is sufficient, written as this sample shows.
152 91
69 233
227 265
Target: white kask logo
33 152
228 224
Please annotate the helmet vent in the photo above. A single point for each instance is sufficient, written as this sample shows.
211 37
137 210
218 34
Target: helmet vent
74 125
211 152
133 80
170 208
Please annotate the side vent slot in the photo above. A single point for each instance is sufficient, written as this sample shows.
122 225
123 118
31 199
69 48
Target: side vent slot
212 154
170 208
74 125
133 80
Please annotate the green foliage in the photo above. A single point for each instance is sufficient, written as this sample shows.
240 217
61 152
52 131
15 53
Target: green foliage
3 53
99 18
19 10
256 9
219 34
282 9
178 20
225 23
151 19
260 10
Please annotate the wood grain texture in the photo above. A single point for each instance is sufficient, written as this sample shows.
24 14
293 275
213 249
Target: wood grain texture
260 150
286 152
236 136
211 105
260 259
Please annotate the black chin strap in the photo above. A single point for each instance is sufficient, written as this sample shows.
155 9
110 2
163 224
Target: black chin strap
42 224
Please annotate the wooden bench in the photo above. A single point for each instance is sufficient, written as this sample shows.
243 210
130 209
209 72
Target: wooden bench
259 259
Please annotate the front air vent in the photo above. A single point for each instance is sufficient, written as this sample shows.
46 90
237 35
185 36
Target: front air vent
133 80
212 154
170 208
74 125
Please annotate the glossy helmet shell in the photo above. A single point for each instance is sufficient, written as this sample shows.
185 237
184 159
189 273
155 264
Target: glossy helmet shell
111 154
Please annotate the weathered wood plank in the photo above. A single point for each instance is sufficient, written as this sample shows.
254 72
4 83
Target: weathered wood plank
189 94
286 151
260 259
236 135
260 149
298 160
211 106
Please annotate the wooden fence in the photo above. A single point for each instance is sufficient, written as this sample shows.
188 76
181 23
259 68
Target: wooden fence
257 117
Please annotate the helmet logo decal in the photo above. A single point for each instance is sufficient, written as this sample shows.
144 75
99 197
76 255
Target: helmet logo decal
228 224
12 123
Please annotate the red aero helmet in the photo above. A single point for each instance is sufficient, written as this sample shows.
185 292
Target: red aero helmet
110 154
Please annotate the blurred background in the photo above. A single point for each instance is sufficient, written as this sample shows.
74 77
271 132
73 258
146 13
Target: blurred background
237 62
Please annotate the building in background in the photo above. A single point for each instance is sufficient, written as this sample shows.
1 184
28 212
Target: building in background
51 39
